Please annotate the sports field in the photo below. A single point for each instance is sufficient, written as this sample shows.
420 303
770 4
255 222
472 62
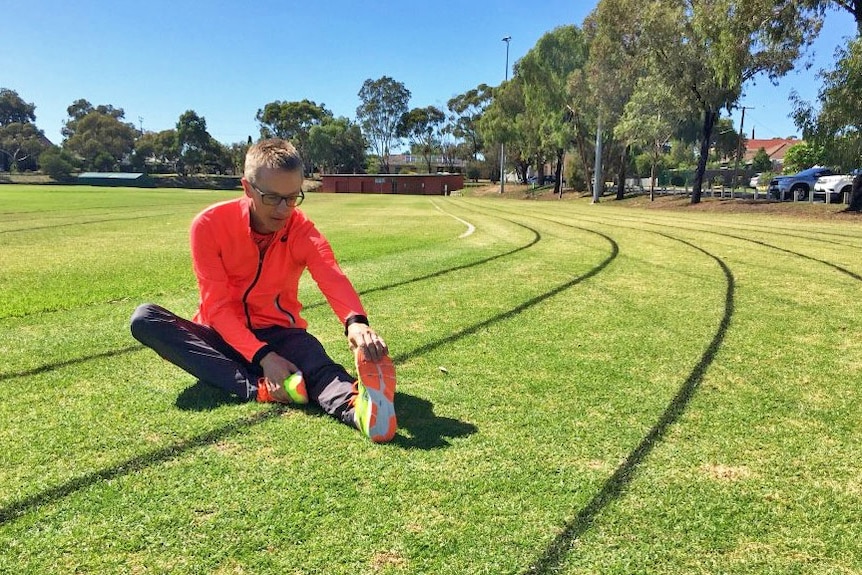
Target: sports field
582 389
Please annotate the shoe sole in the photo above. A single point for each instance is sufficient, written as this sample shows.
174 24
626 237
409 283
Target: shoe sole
377 379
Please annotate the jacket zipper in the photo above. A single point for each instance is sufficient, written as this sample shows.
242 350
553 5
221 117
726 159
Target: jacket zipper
248 291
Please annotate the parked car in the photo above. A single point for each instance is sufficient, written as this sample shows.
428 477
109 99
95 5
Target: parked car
836 186
755 179
798 185
545 180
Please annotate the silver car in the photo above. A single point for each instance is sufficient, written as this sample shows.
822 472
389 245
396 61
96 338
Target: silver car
797 186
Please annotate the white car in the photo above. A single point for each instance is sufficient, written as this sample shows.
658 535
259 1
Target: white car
754 182
834 187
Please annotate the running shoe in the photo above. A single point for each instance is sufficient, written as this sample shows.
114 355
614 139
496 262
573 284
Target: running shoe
374 402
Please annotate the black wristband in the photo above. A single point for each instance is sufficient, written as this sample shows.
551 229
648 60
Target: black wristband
261 353
355 319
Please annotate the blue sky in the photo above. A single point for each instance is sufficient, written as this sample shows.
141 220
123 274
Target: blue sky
225 60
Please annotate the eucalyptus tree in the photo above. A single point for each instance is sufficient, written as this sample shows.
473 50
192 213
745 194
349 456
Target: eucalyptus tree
545 71
98 136
650 118
616 63
422 128
20 140
337 146
707 50
836 121
292 121
508 121
14 110
466 111
383 102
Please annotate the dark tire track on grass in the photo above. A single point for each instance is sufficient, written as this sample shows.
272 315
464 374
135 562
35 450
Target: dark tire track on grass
138 463
819 236
88 222
768 230
537 237
66 363
472 329
834 266
614 487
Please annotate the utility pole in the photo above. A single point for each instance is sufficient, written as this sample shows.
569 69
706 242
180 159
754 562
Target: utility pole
507 39
739 148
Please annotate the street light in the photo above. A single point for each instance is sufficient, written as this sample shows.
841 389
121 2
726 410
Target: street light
506 39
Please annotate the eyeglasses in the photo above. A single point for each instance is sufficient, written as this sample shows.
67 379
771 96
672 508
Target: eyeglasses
275 199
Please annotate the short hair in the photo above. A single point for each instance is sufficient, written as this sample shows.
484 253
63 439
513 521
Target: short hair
273 153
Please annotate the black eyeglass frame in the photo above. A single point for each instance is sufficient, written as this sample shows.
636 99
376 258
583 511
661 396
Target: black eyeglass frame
270 199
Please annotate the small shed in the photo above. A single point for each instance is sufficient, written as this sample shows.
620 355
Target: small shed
130 179
413 184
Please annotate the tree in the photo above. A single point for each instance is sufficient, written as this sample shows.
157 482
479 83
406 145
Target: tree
708 49
383 102
761 161
726 141
545 70
57 163
650 118
292 121
853 7
337 146
508 121
836 124
422 127
193 141
467 109
20 142
98 136
616 62
14 110
802 156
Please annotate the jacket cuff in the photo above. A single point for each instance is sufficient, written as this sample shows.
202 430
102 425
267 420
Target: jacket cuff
261 353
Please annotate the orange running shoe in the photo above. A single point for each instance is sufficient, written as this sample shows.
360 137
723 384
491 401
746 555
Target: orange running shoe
374 402
292 391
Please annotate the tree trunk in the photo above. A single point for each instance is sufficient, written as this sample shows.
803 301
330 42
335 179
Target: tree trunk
621 185
558 187
709 117
856 195
652 178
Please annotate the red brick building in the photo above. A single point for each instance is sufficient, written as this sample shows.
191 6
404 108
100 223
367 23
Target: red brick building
412 184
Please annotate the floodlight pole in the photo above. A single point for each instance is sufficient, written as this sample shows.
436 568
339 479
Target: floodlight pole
506 39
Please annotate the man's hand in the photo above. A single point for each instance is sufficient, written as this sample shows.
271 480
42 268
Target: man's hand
362 337
275 370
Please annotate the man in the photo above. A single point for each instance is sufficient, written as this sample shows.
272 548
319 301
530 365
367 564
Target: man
248 336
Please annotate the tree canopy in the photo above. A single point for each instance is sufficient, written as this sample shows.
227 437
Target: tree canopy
383 102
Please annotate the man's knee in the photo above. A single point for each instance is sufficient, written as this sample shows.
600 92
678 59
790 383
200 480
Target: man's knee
143 321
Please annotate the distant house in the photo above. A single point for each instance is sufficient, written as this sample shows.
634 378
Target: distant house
406 162
130 179
776 149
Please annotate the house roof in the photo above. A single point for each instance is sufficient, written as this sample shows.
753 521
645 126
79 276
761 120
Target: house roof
775 148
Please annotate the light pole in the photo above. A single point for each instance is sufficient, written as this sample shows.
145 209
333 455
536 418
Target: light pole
506 39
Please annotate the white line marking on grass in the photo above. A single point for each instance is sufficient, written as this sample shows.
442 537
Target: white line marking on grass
470 227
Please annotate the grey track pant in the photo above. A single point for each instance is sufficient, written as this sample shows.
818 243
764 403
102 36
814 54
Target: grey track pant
201 351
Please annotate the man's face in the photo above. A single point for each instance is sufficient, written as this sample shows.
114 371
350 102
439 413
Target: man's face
267 218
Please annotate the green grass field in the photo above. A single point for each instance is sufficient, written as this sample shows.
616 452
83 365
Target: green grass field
582 389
